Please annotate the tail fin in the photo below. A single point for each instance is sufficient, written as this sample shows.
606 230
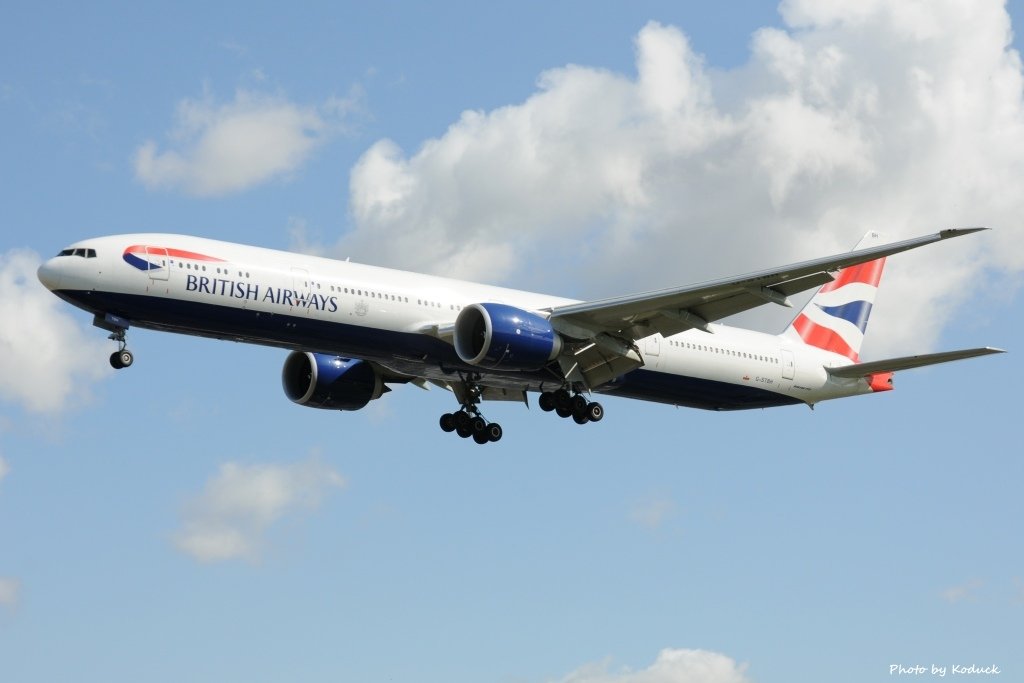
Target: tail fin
836 317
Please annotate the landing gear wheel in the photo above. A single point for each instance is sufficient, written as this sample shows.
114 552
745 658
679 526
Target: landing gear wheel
480 437
493 432
121 359
595 411
563 412
563 400
580 418
465 432
478 425
447 422
579 403
546 401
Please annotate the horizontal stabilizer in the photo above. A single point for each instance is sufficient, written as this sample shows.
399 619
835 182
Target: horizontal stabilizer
907 362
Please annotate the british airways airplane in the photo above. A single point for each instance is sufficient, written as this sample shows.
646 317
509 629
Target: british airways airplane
354 329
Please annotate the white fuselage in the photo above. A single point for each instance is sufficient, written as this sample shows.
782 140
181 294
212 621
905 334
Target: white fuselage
398 319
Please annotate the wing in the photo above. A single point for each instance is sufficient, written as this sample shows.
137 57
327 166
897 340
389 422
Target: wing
610 328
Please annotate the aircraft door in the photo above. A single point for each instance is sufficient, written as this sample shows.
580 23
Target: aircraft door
652 350
159 263
788 364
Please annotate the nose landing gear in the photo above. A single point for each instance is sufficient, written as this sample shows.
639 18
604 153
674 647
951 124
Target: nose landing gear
117 326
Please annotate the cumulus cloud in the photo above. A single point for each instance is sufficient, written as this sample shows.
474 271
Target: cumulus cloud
652 513
964 592
239 504
671 666
47 361
218 149
900 117
9 589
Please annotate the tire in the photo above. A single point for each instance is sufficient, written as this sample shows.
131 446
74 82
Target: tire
126 358
480 437
563 412
563 400
447 422
115 361
546 402
461 420
580 418
464 432
494 432
579 403
595 411
478 425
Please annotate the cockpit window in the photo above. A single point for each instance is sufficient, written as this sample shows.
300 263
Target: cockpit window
84 253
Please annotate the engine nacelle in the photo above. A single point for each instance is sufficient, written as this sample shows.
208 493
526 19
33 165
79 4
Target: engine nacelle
498 336
316 380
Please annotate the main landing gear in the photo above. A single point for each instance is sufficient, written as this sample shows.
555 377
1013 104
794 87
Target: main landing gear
575 406
467 421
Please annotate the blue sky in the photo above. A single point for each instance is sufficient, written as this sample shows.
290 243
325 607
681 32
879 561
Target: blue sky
183 521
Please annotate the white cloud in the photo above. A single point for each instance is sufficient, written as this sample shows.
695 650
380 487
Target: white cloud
900 117
652 513
9 589
671 666
4 468
966 591
47 361
217 149
238 505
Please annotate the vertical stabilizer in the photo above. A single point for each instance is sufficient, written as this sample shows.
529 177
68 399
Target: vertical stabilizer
836 317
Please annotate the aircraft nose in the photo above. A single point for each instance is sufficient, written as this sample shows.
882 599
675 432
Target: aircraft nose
49 275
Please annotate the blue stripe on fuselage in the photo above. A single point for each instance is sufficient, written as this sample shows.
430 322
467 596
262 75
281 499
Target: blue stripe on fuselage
141 264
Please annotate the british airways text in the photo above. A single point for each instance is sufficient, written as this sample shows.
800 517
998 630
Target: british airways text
251 291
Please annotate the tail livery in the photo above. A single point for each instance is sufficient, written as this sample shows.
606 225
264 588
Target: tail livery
836 318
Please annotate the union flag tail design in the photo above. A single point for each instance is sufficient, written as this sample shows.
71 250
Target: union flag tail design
836 318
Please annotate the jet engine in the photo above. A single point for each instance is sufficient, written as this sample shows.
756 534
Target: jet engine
317 380
498 336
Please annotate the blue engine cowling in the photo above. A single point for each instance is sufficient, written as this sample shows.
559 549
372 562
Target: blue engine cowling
317 380
498 336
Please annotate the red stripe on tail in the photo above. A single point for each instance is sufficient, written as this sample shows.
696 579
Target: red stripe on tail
823 338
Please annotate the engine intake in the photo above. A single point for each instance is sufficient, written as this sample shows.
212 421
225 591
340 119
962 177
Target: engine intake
317 380
498 336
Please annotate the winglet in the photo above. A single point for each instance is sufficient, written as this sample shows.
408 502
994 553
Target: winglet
957 232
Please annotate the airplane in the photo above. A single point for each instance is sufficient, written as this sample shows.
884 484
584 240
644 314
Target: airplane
352 329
